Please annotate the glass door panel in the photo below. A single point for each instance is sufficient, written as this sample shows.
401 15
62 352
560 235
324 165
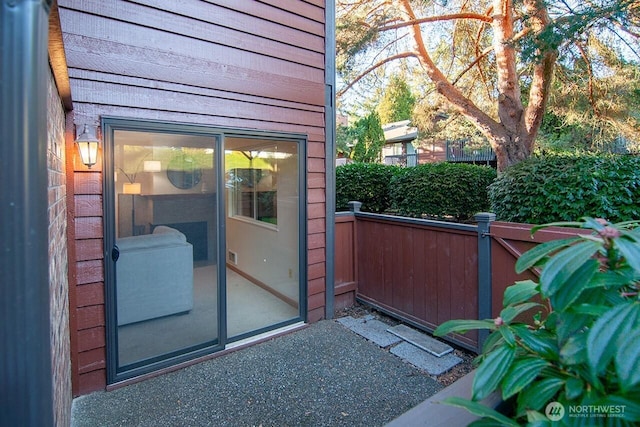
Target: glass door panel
263 236
166 233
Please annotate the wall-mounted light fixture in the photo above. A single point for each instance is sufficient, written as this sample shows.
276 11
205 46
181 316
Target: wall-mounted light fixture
87 146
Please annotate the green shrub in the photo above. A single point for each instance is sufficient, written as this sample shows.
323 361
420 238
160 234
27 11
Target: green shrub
580 346
442 190
568 187
364 182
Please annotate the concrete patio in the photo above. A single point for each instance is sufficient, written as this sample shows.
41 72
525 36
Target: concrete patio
322 375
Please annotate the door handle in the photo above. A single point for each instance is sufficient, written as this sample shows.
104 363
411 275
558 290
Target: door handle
115 253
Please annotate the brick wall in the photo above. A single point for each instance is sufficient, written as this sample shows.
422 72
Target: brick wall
58 283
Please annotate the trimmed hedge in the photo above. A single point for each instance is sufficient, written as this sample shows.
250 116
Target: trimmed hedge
364 182
441 190
540 190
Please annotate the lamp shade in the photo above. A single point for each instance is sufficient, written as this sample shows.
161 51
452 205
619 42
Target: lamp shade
131 188
87 147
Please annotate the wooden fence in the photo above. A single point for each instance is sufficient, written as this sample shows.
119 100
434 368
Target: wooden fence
426 272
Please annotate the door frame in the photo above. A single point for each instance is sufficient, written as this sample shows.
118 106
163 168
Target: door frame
109 125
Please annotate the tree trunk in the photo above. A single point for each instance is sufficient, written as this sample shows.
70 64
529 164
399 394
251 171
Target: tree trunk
511 148
512 137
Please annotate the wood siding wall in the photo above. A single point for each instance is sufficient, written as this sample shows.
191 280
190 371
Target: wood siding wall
241 64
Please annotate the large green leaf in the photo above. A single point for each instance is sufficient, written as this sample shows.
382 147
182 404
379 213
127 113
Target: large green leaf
480 410
539 394
521 374
509 313
519 292
605 332
573 388
538 341
533 256
631 252
574 351
558 270
491 371
580 279
461 326
627 359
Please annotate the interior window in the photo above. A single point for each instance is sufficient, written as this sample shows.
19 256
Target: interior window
253 173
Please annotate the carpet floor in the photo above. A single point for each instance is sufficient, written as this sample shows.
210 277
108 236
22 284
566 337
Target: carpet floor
249 308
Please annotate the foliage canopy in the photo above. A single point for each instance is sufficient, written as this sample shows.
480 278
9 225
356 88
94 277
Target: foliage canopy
493 62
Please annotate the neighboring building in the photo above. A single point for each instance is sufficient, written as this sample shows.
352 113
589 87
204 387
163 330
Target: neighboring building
398 148
206 219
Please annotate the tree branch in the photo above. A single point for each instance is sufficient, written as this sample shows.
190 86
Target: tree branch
462 104
439 18
373 67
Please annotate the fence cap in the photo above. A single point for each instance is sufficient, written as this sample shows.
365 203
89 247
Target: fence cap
354 206
485 216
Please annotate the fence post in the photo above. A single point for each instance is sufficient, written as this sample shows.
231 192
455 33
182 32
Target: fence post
484 220
355 206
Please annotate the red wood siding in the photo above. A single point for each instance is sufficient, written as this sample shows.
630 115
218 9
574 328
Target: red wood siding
243 64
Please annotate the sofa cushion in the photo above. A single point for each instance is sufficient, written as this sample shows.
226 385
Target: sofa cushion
145 241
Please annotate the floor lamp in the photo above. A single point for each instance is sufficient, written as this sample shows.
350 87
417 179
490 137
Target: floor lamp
132 188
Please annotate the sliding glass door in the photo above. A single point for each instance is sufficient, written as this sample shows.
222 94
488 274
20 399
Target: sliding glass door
263 233
205 235
165 249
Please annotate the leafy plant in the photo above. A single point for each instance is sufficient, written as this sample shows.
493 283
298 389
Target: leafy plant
580 346
364 182
442 190
568 187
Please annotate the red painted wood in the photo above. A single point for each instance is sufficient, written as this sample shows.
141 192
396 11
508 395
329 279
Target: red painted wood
273 14
91 316
316 301
91 360
420 273
88 205
87 183
316 286
315 256
247 65
316 271
344 267
88 227
92 381
89 272
316 210
85 112
91 294
212 23
144 98
89 339
89 249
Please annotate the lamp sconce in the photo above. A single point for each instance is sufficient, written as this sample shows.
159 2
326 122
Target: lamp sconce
87 144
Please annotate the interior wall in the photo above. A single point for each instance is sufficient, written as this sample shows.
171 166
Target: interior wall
266 254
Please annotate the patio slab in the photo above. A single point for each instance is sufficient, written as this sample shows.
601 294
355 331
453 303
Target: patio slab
372 329
425 361
421 340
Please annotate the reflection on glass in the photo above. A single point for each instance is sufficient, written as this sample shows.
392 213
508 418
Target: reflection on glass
166 274
261 178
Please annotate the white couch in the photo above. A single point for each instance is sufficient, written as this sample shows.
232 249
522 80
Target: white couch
154 275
